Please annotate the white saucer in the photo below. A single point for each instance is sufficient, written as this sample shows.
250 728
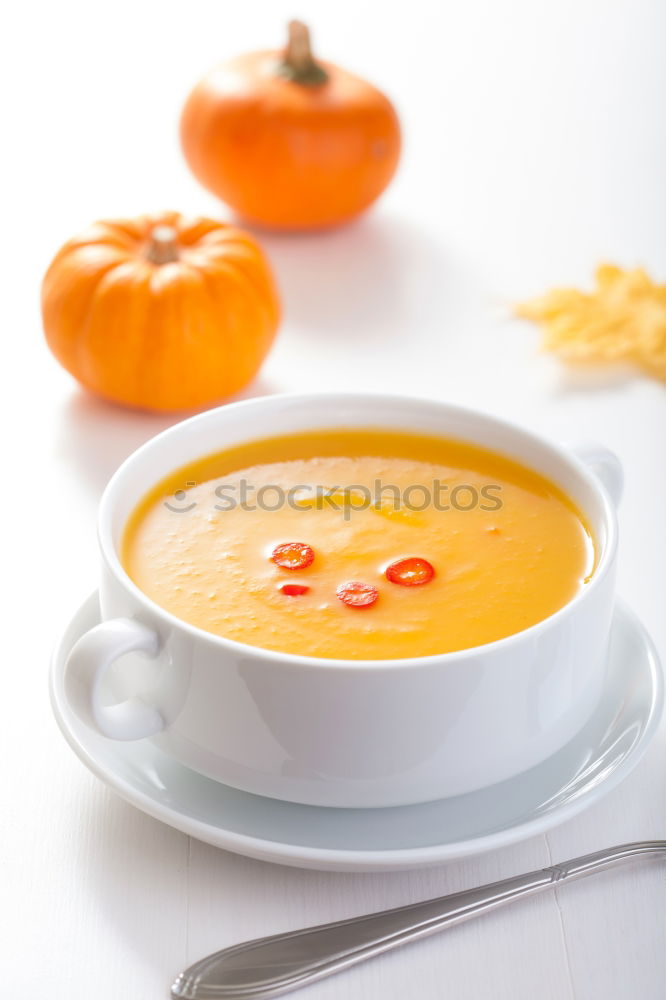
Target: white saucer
607 749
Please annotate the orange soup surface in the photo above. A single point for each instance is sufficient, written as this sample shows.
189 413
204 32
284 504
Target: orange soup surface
358 544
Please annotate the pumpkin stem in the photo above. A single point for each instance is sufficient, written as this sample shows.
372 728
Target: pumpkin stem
162 245
299 64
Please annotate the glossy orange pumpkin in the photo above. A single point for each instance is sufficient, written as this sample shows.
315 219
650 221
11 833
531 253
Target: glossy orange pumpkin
288 142
160 312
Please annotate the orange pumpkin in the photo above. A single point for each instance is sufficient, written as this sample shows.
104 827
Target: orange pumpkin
288 142
160 312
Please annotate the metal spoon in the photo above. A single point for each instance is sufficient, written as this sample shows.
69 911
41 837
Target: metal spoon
272 965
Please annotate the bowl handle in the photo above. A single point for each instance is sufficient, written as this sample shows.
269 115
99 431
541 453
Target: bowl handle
88 662
606 466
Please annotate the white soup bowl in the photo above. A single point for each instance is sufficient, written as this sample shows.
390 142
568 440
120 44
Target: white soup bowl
345 732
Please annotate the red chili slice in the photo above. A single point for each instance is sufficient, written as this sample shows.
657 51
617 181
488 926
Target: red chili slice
293 589
356 594
293 555
410 572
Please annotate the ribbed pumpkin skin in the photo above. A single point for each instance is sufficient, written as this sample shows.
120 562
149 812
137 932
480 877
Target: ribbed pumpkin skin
161 336
285 155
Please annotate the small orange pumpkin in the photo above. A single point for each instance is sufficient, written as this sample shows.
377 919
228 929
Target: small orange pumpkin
288 142
160 312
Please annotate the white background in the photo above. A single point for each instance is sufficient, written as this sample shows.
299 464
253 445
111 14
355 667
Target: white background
534 147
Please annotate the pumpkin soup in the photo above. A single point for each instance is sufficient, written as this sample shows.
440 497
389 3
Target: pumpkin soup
358 544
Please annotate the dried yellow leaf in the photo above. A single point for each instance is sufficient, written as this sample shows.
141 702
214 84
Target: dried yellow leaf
622 319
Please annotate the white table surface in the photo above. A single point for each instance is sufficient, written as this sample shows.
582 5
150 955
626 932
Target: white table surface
534 147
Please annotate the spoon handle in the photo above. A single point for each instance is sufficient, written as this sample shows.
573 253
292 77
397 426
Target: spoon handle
272 965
